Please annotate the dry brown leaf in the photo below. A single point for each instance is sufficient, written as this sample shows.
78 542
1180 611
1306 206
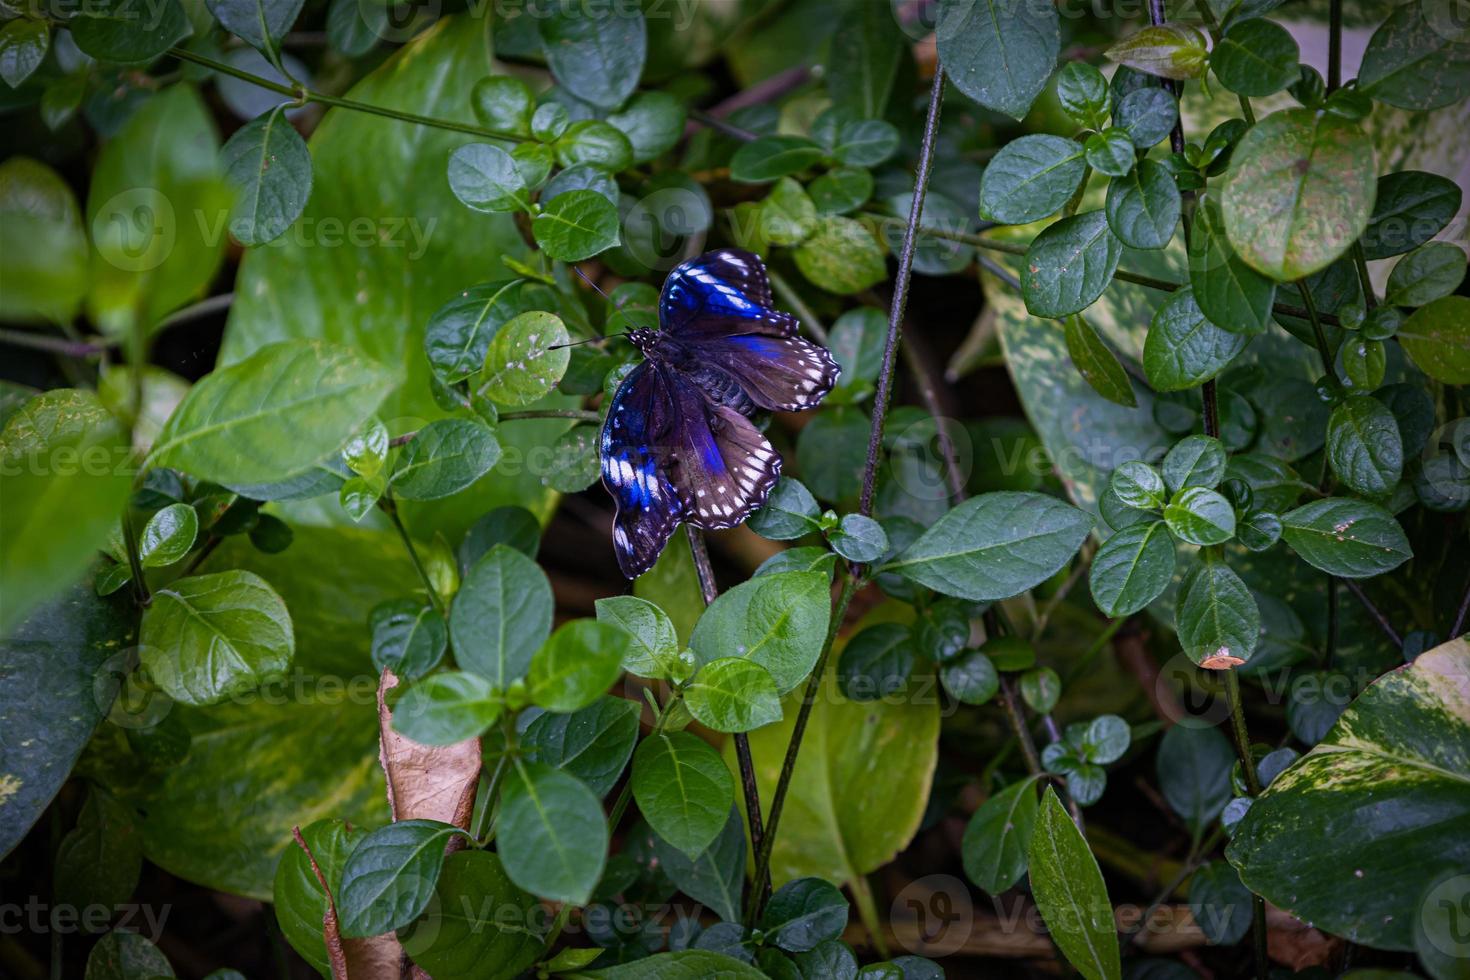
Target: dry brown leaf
373 958
426 782
1293 943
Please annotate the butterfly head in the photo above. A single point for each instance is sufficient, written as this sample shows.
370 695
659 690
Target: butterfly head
643 339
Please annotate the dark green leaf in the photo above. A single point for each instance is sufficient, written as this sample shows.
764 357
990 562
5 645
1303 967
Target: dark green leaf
856 340
576 225
446 708
122 955
865 142
1174 50
688 964
841 190
1070 893
1410 208
390 875
1030 178
1200 516
445 457
804 913
772 157
683 789
1425 275
477 925
597 55
1138 485
716 876
1437 339
1069 265
1287 218
998 837
593 744
1184 348
581 661
1132 568
23 46
866 51
210 636
1231 294
552 833
486 178
1412 63
653 123
858 538
1083 92
409 637
995 546
1194 772
1364 447
459 333
112 30
1194 461
1111 152
777 621
1148 114
876 663
970 678
790 512
1097 364
1143 206
1347 538
1220 903
1256 57
300 903
1217 619
654 651
999 54
99 860
593 142
501 615
259 23
354 28
733 695
504 103
524 362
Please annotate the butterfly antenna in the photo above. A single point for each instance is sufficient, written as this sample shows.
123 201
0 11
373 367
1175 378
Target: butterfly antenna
589 282
578 343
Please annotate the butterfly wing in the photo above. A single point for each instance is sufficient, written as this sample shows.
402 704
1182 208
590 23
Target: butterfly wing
635 468
780 374
722 292
723 468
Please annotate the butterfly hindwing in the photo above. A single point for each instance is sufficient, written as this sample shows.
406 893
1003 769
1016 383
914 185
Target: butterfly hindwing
781 374
722 467
635 466
725 291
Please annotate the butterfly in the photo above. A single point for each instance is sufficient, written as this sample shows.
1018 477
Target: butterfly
678 444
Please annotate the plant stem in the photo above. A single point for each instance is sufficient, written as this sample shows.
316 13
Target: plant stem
793 299
1017 721
1334 46
1324 350
1253 784
1381 619
203 308
760 883
579 414
751 790
1365 279
390 508
51 345
862 896
135 562
304 95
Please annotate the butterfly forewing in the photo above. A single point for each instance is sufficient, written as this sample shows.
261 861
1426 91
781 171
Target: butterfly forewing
722 469
635 467
721 292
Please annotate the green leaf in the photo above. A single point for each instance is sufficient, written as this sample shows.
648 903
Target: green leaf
841 190
863 65
1177 51
23 46
597 55
486 178
771 157
1364 447
594 143
390 875
1216 618
121 955
1220 904
354 29
1030 178
653 123
446 708
1231 294
168 535
1398 753
865 142
1069 265
733 695
1346 538
64 475
1083 93
208 637
1132 568
576 225
1097 364
1437 339
1300 192
876 663
409 637
113 31
1070 892
445 457
1111 152
1184 348
1138 485
688 964
790 512
683 789
1410 208
505 103
787 214
998 837
44 242
1412 63
970 678
858 538
995 546
654 650
274 414
501 615
581 661
1425 275
521 366
846 829
777 621
841 256
856 340
593 744
300 903
478 924
716 876
804 913
1194 461
1256 57
259 23
99 860
552 833
1148 114
1143 206
1200 516
999 54
1194 773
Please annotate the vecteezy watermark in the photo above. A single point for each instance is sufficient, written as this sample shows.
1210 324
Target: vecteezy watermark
37 917
1443 929
933 915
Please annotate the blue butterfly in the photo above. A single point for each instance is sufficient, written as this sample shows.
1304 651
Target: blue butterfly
678 443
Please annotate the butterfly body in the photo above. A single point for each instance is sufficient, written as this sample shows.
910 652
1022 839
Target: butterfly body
678 444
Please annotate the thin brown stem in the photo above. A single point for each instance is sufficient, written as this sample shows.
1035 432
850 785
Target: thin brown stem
1382 620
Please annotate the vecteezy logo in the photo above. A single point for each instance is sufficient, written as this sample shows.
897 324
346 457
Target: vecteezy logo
135 230
933 915
1443 931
